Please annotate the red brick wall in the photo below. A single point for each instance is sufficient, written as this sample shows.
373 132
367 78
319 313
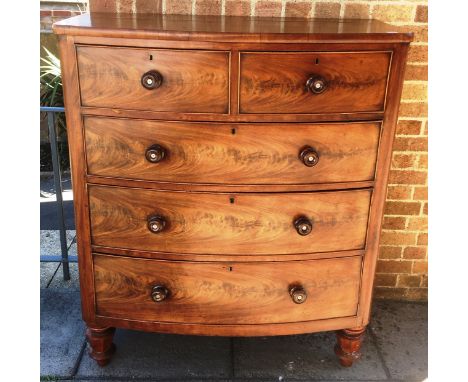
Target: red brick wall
402 264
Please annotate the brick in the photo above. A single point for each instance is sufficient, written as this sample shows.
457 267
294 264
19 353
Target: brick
389 252
357 11
421 14
413 91
46 12
410 144
413 109
125 6
393 266
422 239
417 223
425 209
148 6
178 7
403 160
407 177
415 253
424 281
408 127
409 281
327 10
389 293
416 294
208 7
268 9
402 208
416 72
237 8
391 13
420 32
420 267
103 6
417 53
394 222
61 13
423 161
399 192
426 128
397 238
301 9
420 193
387 280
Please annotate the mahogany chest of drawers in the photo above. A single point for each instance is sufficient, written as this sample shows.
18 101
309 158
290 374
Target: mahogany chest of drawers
229 173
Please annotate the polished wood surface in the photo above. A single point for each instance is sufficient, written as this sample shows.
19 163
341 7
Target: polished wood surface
226 293
277 82
208 223
100 342
231 153
228 28
259 214
348 345
192 81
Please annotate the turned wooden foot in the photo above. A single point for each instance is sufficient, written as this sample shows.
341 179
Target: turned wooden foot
348 345
101 346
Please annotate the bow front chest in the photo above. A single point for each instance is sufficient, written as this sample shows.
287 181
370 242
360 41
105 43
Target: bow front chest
229 173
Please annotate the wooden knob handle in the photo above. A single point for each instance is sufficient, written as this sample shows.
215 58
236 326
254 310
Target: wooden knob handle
303 226
152 80
298 294
159 293
156 223
309 156
316 85
155 153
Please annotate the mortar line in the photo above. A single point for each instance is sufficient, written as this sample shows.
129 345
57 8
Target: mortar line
379 352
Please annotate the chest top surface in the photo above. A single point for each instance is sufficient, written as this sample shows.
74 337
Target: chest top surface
229 28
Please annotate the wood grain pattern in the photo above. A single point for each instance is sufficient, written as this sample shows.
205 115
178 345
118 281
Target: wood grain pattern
228 223
226 293
231 153
276 82
193 81
194 28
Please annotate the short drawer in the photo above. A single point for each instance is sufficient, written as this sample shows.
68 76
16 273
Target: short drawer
188 81
218 223
226 293
211 153
306 82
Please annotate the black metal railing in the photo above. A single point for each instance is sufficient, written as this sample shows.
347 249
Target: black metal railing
65 259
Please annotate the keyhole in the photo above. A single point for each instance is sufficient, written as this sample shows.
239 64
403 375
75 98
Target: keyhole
231 200
316 61
230 269
151 57
233 131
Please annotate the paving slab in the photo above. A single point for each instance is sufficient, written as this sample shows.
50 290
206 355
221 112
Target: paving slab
307 357
400 330
50 242
62 332
47 273
59 283
159 356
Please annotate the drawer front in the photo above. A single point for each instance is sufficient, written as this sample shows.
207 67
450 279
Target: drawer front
215 223
191 81
341 82
226 293
232 154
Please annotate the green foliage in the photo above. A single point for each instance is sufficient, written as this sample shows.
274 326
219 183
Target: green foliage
51 85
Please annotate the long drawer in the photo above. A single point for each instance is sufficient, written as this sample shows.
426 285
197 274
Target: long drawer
168 80
226 293
313 82
217 223
278 153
